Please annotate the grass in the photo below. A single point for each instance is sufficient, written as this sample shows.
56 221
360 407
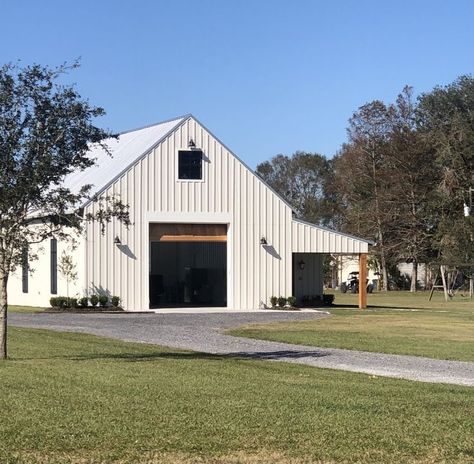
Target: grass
74 398
395 322
24 309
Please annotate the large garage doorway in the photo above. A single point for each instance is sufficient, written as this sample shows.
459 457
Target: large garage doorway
188 265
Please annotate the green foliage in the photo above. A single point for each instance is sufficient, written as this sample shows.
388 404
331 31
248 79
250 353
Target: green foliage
46 131
67 269
411 167
447 120
94 300
83 302
115 300
292 301
61 302
103 300
305 180
281 301
41 143
328 299
273 301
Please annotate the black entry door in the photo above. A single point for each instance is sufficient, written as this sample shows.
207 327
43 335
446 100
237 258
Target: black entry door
184 274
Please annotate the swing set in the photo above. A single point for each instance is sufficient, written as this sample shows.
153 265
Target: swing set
452 283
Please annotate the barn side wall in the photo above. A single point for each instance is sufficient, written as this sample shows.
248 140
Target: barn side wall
39 277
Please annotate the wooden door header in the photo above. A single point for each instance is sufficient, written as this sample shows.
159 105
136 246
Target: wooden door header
168 232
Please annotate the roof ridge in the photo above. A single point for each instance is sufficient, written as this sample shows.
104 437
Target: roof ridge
184 116
177 123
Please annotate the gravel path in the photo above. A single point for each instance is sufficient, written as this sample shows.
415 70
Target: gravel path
204 333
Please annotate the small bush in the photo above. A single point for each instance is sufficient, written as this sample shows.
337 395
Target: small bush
273 301
94 299
115 301
103 300
312 300
292 301
72 302
61 302
328 300
53 301
281 301
83 302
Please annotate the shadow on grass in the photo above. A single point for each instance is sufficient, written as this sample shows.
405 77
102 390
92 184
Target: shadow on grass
377 307
140 357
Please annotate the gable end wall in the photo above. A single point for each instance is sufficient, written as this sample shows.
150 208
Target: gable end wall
230 192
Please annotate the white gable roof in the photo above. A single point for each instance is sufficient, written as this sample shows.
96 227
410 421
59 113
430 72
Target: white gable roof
126 150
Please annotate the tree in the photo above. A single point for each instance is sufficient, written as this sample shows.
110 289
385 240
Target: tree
410 160
363 181
304 180
447 119
67 268
46 129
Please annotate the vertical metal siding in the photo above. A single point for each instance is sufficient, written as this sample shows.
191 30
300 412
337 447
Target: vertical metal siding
228 186
151 185
307 238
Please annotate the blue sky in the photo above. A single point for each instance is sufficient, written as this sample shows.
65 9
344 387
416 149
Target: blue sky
266 76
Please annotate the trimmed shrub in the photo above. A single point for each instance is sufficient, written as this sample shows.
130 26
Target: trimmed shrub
72 302
328 300
312 300
53 301
94 299
273 301
61 302
83 302
281 301
292 301
115 301
103 300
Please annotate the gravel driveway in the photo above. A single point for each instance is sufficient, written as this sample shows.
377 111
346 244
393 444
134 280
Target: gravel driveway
204 333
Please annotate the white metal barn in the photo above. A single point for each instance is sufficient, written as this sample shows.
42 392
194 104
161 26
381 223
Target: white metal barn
206 230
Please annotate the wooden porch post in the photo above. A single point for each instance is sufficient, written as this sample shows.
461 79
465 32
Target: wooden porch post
362 281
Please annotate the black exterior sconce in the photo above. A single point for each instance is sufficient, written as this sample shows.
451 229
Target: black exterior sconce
117 240
263 241
301 264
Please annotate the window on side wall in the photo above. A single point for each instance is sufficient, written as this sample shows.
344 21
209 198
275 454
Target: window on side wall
24 270
190 164
54 266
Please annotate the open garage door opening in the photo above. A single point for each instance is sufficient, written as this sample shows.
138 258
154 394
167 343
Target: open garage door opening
188 265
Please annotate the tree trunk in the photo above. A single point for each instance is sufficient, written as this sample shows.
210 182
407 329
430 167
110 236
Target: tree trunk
3 315
384 278
414 276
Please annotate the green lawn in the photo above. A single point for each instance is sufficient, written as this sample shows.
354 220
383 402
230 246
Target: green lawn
78 398
395 322
24 309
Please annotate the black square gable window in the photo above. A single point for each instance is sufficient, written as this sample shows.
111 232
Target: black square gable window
190 164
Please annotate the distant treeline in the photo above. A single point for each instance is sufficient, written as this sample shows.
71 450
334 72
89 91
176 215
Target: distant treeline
403 179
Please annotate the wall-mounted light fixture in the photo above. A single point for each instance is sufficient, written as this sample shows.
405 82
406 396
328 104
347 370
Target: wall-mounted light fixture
117 240
301 264
263 241
191 144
